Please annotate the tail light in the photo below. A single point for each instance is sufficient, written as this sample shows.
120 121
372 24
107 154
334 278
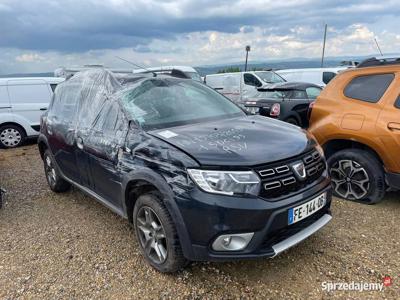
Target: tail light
275 110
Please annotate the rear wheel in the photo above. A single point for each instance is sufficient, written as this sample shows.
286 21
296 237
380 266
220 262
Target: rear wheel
292 121
357 175
157 235
56 183
11 136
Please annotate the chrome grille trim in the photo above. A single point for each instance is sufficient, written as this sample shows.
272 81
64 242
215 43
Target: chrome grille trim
272 185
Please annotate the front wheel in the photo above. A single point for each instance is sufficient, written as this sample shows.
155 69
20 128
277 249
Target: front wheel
357 175
157 235
11 136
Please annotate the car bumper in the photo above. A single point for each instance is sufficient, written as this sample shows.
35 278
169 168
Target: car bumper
393 180
207 216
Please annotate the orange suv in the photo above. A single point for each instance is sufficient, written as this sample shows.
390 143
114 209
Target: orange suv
356 119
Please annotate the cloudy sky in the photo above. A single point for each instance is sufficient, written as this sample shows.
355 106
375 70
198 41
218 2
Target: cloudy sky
40 35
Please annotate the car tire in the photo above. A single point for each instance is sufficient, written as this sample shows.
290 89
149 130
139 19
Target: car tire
357 175
55 181
156 234
292 121
11 136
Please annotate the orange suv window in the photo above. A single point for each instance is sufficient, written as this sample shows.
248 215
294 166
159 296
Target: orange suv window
397 103
368 88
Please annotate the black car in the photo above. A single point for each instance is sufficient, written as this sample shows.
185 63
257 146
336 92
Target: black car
198 177
288 101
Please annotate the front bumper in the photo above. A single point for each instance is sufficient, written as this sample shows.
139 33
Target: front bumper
206 216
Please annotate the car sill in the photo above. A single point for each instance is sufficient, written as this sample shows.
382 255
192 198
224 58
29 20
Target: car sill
300 236
96 197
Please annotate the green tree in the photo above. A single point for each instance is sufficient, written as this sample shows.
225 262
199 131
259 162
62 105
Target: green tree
229 70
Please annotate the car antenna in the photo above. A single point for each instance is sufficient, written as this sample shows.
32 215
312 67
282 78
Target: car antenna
136 65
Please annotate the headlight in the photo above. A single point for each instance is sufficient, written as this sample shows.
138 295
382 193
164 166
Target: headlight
226 182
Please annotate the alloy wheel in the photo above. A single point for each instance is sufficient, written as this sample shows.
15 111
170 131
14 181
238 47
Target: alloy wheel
50 171
10 137
151 235
350 179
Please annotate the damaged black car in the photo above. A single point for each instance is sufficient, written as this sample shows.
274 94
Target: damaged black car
288 101
199 178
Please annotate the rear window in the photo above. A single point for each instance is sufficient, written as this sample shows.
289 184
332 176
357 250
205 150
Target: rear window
397 103
368 88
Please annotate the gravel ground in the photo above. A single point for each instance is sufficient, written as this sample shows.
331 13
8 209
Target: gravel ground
69 246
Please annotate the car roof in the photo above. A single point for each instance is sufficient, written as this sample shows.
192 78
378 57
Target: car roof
291 86
334 69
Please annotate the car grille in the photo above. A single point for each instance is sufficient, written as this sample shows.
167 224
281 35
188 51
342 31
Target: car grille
280 179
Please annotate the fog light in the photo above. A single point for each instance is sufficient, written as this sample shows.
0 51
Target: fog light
232 242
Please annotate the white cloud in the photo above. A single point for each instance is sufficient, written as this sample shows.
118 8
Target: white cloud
29 58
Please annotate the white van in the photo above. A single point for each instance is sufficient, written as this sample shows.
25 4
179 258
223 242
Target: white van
318 76
240 86
22 102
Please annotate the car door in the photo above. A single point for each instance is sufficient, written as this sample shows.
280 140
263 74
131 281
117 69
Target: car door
102 147
249 86
61 128
389 128
29 99
5 106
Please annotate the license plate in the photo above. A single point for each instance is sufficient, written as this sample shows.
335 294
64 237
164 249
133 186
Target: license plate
301 212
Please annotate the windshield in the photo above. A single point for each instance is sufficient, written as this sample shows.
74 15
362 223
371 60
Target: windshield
270 77
194 75
167 102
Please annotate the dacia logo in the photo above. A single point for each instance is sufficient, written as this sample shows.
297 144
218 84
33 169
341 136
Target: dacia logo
299 170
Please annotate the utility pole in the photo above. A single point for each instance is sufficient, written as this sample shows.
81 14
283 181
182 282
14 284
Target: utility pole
377 45
323 47
247 56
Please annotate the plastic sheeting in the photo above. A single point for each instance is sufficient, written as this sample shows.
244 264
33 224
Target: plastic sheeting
87 118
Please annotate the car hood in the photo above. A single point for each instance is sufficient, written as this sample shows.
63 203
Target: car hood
244 141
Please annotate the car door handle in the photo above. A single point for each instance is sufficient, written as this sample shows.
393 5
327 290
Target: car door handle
79 143
394 126
43 108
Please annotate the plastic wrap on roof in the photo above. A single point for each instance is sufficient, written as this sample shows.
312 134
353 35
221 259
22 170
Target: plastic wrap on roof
78 101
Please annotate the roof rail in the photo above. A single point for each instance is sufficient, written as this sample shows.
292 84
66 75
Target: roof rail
68 72
380 61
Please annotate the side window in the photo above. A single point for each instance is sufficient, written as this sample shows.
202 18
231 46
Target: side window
327 76
313 92
298 94
64 104
368 88
53 86
250 79
29 93
397 103
109 119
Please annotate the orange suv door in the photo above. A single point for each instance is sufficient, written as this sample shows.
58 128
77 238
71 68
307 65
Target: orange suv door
389 127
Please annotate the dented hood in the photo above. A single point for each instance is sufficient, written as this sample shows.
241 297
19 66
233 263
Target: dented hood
244 141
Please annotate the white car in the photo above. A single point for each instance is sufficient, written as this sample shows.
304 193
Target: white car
240 86
22 102
318 76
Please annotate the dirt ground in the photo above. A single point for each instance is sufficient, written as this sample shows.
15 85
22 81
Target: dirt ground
55 246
